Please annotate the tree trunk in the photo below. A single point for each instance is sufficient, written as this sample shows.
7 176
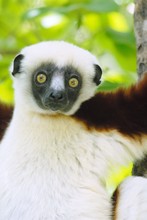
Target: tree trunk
140 24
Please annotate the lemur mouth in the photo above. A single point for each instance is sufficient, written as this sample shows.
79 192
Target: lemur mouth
56 107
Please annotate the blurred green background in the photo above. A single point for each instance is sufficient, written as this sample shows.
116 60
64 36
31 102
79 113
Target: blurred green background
104 27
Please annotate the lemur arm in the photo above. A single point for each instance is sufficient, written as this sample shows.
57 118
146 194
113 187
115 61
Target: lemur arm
124 110
5 117
130 201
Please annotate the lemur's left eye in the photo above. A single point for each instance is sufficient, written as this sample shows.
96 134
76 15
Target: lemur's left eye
73 82
41 78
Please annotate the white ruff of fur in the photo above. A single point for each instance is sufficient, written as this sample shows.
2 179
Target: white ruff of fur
49 174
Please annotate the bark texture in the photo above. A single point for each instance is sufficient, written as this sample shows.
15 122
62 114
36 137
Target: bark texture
140 24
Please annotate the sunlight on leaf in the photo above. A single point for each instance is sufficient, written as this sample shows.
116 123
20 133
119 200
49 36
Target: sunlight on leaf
118 22
117 176
51 20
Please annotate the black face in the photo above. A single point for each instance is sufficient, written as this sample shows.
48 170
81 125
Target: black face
56 88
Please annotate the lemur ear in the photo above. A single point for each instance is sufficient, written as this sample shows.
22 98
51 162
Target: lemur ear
16 64
98 74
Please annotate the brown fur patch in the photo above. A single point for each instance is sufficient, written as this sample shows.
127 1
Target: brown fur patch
124 110
5 117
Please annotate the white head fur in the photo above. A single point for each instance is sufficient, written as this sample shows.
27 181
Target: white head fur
62 54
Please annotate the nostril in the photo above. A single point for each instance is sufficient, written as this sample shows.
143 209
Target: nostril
52 96
60 97
56 96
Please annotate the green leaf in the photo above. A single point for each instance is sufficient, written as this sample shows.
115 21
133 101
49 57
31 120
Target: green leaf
95 6
101 6
107 86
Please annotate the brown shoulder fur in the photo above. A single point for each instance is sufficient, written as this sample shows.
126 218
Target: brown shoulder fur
5 117
124 110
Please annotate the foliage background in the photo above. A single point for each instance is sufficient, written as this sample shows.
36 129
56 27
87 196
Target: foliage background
104 27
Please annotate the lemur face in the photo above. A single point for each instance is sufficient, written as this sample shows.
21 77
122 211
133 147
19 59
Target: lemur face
54 77
56 88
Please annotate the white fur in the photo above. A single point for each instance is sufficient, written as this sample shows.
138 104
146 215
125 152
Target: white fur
132 204
51 166
57 82
49 174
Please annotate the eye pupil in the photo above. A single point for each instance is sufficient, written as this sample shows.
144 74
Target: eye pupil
73 82
41 78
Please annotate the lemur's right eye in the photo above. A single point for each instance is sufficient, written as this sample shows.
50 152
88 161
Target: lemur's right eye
41 78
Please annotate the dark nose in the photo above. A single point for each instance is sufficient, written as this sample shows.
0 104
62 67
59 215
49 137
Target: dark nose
56 95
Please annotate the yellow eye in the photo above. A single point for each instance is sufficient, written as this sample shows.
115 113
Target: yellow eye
73 82
41 78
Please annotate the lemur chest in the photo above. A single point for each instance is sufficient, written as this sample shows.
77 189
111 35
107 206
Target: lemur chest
50 176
